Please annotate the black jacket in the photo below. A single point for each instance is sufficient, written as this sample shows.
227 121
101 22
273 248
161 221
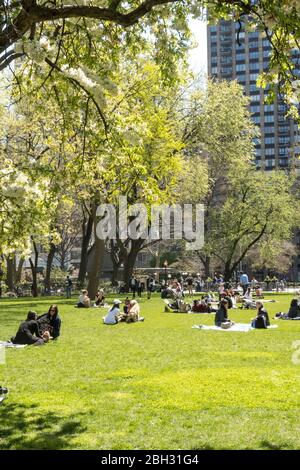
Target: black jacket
26 332
51 324
294 312
221 316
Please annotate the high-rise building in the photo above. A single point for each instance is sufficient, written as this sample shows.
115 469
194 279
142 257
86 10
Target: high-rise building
240 55
234 54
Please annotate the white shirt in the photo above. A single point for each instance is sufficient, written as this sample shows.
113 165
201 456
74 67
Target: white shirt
110 318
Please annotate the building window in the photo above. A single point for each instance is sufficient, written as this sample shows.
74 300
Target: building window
269 129
268 108
226 70
255 97
284 140
269 140
255 109
240 67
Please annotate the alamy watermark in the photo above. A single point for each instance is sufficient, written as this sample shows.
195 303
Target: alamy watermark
157 222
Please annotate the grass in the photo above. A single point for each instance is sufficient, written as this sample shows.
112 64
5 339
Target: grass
153 385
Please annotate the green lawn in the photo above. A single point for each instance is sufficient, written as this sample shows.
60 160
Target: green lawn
153 385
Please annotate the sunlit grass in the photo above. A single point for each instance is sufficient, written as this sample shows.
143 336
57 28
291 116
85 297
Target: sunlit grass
153 385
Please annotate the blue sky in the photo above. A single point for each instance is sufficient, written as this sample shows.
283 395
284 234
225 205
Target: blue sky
198 56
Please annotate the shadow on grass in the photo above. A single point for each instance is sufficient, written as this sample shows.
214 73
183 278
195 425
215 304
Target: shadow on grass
269 446
25 427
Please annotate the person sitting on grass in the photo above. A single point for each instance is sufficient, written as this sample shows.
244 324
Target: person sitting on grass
113 315
178 306
221 316
200 306
294 311
133 314
262 318
50 322
29 333
84 300
259 292
99 298
248 301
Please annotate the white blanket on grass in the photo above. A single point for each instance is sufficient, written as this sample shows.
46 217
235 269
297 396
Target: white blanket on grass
244 327
9 344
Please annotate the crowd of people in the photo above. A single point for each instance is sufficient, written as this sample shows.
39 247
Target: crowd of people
37 330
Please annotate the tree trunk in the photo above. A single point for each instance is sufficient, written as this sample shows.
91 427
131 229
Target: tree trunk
94 266
130 260
207 266
19 270
115 272
50 258
117 259
87 227
10 272
33 266
228 271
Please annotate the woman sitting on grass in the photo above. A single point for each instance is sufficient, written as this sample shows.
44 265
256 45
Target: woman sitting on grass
262 318
221 317
84 300
248 301
50 322
99 298
113 315
29 333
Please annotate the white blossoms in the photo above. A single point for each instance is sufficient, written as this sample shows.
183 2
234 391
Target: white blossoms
91 82
36 50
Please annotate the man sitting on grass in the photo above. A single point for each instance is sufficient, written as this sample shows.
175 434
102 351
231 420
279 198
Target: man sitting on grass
29 333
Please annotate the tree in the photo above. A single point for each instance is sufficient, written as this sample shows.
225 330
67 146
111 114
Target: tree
259 210
221 138
38 32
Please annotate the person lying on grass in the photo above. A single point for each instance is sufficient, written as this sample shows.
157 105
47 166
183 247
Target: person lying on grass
50 322
294 311
262 318
178 306
29 332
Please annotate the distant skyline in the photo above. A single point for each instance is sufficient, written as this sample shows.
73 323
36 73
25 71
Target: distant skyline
198 56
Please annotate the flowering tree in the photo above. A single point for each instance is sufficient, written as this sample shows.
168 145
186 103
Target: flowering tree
41 33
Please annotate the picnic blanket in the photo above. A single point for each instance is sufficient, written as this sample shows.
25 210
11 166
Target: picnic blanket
244 327
9 344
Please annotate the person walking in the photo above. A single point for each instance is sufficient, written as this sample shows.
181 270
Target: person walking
69 285
244 281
